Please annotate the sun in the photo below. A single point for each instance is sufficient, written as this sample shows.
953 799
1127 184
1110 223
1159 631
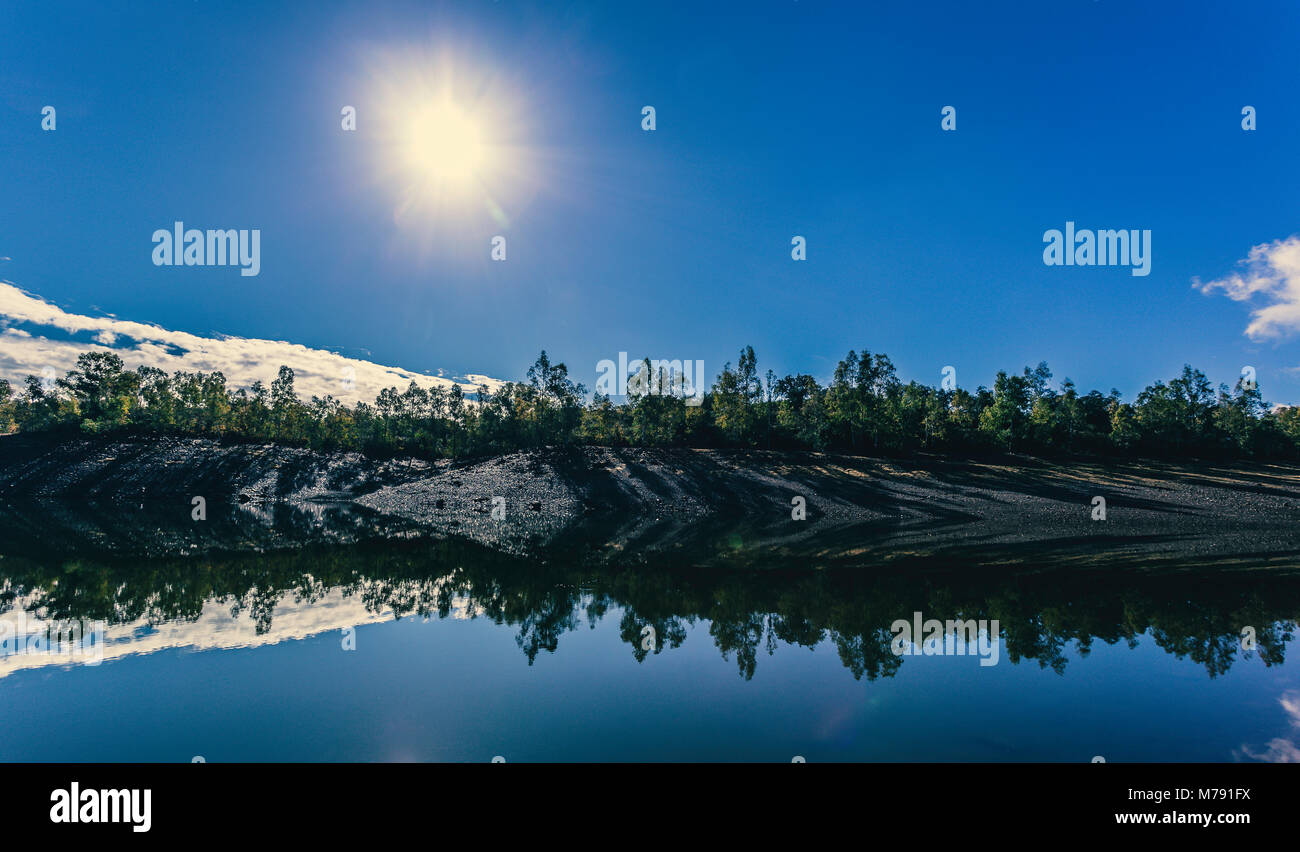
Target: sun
442 143
449 141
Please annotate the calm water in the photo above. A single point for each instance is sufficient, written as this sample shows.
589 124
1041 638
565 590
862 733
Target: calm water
461 655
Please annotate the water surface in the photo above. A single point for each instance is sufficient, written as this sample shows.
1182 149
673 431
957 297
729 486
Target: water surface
459 654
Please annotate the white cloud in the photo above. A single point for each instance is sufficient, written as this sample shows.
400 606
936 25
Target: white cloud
1280 749
243 360
1272 272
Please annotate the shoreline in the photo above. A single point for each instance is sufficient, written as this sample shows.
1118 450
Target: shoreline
134 496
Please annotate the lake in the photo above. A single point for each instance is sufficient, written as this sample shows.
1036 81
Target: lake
445 651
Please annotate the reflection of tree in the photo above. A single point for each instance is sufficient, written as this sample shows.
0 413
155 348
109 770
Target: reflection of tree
1043 616
670 632
868 655
1210 635
541 629
739 634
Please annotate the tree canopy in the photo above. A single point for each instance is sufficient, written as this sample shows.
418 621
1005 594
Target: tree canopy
864 409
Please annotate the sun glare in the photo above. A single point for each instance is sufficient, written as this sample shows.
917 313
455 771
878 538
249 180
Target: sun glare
443 143
450 145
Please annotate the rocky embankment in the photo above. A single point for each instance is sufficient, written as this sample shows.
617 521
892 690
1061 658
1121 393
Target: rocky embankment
137 497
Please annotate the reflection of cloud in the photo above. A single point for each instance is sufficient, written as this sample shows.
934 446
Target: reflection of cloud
1280 749
1273 272
243 360
215 628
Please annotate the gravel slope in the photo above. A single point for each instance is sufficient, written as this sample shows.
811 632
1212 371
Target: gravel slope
698 506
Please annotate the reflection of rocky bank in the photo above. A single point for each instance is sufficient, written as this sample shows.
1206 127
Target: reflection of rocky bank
601 505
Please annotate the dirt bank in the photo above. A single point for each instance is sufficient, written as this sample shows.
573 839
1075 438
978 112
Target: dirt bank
699 506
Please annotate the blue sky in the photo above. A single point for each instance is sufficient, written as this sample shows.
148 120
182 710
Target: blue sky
774 119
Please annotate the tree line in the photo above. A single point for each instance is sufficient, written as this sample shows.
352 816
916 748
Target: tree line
864 409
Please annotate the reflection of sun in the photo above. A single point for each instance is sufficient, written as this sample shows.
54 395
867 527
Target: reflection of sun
448 141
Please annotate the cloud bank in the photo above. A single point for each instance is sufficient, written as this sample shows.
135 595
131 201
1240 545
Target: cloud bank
35 334
1272 273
